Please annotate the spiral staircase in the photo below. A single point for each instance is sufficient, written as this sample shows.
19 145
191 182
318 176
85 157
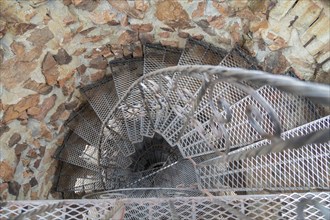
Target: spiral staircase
198 133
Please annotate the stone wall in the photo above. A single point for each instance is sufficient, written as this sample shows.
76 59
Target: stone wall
50 48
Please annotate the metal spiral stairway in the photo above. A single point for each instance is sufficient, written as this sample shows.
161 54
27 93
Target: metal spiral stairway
161 139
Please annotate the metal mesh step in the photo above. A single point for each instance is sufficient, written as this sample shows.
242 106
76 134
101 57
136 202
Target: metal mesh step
101 96
271 206
125 72
158 57
86 124
201 53
238 57
155 57
291 110
118 133
77 151
304 168
78 179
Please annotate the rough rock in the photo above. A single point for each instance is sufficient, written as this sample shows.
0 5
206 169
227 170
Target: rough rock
170 43
199 12
174 15
14 188
235 33
258 5
36 164
164 34
2 54
69 20
3 129
81 69
14 139
62 57
6 171
92 39
146 38
26 188
40 37
21 28
57 113
17 48
217 22
123 7
79 51
3 28
124 21
14 111
142 28
98 63
246 14
88 5
138 51
85 32
40 88
32 153
71 105
3 187
221 7
103 17
49 69
198 37
101 51
183 34
34 196
141 5
97 75
204 24
128 37
34 111
46 105
33 182
23 116
17 70
45 132
276 62
19 148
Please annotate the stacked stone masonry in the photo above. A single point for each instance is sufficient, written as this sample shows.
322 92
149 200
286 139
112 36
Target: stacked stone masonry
48 49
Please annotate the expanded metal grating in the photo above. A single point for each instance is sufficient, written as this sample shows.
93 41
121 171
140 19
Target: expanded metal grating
101 96
280 206
291 110
86 124
125 72
77 151
238 57
155 57
78 179
201 53
158 57
305 168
